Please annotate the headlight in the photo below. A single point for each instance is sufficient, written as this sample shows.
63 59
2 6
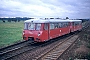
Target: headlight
39 34
23 32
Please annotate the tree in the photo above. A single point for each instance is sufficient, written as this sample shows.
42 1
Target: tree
3 21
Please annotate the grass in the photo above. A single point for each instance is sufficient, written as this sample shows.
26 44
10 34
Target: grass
10 33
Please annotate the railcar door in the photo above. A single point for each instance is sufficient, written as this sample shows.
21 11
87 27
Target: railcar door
72 26
52 31
46 31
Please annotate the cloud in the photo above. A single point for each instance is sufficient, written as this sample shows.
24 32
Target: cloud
43 8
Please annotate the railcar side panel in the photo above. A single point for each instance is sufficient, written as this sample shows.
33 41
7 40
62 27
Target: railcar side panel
58 32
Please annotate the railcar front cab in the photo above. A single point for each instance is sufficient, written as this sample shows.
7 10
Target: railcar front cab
34 31
31 31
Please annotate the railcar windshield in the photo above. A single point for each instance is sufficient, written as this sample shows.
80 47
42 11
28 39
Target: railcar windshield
25 26
38 26
32 26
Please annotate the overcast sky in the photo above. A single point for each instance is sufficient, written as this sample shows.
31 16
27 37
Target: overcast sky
45 8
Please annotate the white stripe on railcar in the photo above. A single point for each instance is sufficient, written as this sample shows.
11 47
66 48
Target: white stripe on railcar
51 20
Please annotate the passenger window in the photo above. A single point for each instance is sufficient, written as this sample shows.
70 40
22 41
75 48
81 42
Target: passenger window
56 25
63 24
76 23
73 24
79 23
60 25
66 24
51 26
45 26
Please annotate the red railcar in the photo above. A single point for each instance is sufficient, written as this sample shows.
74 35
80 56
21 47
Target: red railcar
44 30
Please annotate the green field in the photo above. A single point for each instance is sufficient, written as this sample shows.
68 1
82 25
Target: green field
10 32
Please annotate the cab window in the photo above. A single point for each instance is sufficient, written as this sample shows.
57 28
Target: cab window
25 26
45 26
38 26
31 26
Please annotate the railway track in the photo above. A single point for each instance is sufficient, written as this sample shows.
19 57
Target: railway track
57 50
13 47
19 48
10 51
9 54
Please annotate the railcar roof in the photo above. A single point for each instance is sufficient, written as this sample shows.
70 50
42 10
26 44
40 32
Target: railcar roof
74 20
50 20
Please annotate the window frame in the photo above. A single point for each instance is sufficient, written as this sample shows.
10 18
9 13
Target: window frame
29 28
45 26
50 26
56 25
39 27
